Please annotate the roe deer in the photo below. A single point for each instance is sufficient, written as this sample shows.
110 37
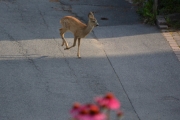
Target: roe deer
79 29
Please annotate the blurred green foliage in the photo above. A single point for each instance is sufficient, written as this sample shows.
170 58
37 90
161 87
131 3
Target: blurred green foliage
168 6
145 8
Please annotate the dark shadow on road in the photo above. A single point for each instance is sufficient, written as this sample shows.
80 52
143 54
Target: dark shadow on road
41 87
117 12
34 21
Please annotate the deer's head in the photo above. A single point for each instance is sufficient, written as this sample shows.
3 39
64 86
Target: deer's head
92 20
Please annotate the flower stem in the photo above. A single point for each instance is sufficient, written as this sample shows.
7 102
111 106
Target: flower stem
108 114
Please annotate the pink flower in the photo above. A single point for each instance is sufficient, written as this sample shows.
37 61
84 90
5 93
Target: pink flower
75 109
89 112
108 101
92 111
120 114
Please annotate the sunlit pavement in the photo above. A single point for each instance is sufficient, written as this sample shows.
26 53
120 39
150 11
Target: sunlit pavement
39 80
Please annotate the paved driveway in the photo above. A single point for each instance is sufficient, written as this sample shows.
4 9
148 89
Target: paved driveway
40 81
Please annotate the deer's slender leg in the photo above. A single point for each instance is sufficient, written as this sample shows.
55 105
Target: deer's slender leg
62 31
74 44
79 42
70 23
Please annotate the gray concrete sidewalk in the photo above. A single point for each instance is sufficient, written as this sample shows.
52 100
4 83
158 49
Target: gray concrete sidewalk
39 80
144 62
147 68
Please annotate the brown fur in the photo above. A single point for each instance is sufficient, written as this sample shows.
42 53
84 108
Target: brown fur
79 29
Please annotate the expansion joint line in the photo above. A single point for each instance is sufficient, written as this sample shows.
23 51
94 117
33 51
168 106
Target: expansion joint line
73 13
42 16
117 77
21 50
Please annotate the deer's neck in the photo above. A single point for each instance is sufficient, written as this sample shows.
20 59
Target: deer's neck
88 29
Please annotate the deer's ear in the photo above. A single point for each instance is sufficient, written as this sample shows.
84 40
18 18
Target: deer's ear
90 15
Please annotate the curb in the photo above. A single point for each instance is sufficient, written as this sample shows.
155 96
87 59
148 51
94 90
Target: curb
161 22
173 38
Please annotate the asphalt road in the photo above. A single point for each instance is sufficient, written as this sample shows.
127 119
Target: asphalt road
39 80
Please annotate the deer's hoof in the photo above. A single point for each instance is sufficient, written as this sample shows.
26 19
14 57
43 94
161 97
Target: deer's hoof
79 57
66 48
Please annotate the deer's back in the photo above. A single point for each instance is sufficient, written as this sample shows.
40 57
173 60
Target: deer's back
72 23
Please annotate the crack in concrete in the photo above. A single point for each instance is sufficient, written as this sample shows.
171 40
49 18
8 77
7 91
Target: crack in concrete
117 76
20 12
108 61
42 16
31 61
70 11
13 39
4 2
21 50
